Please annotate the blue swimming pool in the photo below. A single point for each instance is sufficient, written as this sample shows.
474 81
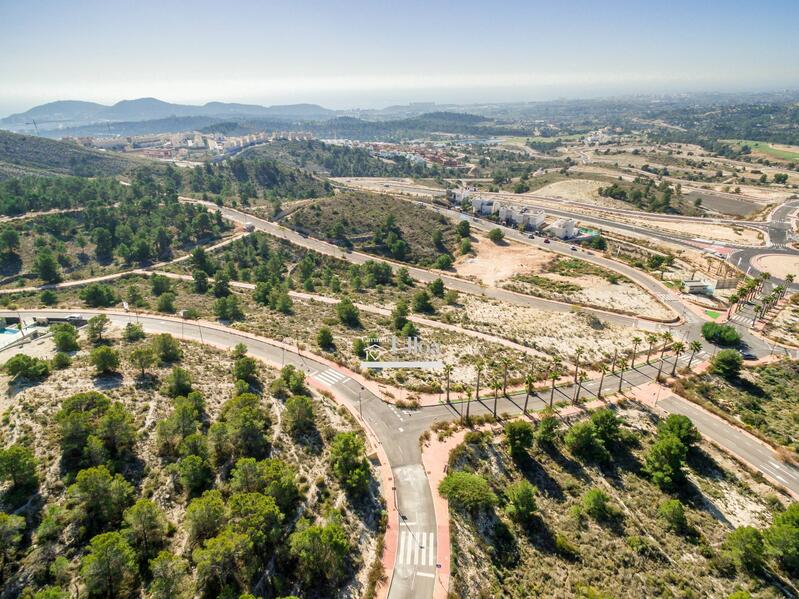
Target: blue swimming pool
13 331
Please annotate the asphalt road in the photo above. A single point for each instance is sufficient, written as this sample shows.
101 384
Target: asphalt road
420 274
398 432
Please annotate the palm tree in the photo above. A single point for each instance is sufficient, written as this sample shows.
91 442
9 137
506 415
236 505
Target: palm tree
447 372
529 382
505 365
603 369
468 403
578 353
667 339
694 346
636 343
733 301
679 348
622 366
613 361
554 374
479 369
651 339
581 378
495 385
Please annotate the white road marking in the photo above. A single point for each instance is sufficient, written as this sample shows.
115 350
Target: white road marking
416 549
400 429
431 554
330 376
426 574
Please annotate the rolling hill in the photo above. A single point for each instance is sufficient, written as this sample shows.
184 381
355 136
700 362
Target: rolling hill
22 155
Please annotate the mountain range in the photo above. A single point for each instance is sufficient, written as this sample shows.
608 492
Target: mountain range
71 113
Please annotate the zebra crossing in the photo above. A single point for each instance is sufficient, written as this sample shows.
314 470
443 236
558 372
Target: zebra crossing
417 549
330 377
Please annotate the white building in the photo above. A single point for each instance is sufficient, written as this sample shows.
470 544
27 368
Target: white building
533 220
563 228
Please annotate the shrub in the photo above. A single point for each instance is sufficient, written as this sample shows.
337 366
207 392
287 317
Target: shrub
166 348
421 302
547 432
582 440
98 295
565 547
61 361
178 382
607 427
727 363
195 474
18 465
721 334
521 501
166 303
596 504
49 297
65 337
496 235
519 434
227 308
672 513
324 338
133 332
23 366
347 313
467 491
160 284
299 415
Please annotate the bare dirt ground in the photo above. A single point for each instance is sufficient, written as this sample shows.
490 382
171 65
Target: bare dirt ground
496 265
553 333
785 326
742 235
778 265
583 190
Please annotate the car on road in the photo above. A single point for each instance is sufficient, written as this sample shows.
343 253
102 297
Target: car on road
574 248
747 355
546 241
75 318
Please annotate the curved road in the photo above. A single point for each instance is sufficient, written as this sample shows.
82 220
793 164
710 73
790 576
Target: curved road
415 572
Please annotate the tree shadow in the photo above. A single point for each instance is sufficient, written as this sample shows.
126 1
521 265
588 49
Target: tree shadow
538 476
108 380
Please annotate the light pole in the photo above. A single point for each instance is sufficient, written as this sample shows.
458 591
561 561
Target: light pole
360 407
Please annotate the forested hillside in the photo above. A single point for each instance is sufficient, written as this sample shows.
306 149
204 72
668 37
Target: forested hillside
29 155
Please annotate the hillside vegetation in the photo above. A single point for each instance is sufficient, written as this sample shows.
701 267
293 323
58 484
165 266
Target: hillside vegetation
378 224
29 155
619 505
147 465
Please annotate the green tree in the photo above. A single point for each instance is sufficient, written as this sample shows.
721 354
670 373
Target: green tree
166 348
547 431
744 547
347 313
245 369
348 461
98 295
321 553
727 363
664 460
672 512
60 361
166 303
399 315
177 382
463 229
18 465
227 308
146 529
521 501
681 427
48 297
467 491
224 564
117 431
421 302
96 326
782 538
100 498
133 332
104 359
65 337
299 415
200 279
195 473
142 358
170 577
257 516
324 338
583 441
109 568
205 516
46 267
11 528
160 284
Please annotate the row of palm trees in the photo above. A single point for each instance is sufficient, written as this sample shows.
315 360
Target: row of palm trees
498 373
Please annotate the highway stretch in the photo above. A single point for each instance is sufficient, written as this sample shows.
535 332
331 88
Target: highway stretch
397 431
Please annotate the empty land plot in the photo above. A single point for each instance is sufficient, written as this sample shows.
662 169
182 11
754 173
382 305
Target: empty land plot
533 271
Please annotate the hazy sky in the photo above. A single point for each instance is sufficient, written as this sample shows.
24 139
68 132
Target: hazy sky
373 53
